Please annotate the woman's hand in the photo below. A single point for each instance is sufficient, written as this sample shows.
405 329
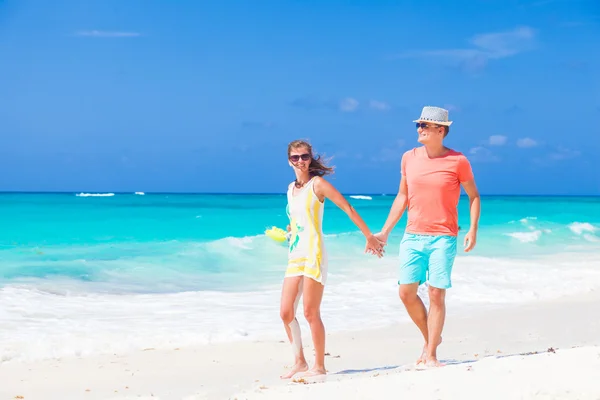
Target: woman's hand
374 246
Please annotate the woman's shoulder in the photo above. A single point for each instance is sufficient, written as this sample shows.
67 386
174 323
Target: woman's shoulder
321 185
318 181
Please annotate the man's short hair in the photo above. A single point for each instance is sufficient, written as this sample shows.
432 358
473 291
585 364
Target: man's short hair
446 129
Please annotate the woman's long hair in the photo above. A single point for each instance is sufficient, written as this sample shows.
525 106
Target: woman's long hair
318 167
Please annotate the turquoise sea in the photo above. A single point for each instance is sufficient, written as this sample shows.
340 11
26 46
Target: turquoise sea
86 273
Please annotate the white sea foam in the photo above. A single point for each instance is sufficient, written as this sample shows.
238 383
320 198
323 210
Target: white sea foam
526 237
47 320
580 227
229 243
361 197
527 219
95 194
140 193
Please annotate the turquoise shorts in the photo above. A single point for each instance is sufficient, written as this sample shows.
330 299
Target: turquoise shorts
427 258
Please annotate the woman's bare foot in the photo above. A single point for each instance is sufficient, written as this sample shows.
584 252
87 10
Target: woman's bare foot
314 372
298 367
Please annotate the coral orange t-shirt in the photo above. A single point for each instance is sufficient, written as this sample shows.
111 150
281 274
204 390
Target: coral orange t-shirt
434 190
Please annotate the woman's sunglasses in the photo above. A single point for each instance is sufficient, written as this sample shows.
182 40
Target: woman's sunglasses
296 157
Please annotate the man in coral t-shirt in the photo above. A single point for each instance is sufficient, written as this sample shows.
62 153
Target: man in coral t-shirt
430 188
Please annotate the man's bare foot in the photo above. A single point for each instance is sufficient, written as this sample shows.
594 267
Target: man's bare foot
299 367
433 362
314 372
423 358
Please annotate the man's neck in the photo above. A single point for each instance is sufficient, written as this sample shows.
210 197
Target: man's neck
435 150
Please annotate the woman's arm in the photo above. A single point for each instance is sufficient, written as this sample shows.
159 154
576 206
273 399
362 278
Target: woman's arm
324 189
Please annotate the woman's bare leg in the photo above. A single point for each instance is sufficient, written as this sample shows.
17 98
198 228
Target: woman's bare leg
313 294
290 296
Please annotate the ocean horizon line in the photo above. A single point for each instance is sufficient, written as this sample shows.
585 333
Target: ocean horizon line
68 192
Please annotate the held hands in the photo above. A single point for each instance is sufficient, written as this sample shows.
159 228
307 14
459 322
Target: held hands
470 240
375 244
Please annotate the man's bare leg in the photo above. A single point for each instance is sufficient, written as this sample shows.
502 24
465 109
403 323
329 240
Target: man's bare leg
290 296
435 322
417 312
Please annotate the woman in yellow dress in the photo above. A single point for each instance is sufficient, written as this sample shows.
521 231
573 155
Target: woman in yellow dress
306 273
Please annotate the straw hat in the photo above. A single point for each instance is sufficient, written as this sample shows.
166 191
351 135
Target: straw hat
434 115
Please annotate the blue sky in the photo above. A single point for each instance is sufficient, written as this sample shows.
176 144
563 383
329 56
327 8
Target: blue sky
203 96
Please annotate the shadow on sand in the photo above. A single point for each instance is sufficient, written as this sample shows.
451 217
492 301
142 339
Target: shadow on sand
413 367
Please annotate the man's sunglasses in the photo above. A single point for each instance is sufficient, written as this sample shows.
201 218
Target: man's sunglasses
425 125
296 157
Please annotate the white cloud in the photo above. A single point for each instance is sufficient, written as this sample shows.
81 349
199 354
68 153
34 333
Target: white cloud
563 153
526 142
504 44
452 107
559 154
379 105
482 154
485 47
390 153
107 34
348 104
475 150
497 140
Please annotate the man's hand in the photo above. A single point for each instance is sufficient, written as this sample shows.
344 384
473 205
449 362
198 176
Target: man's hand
470 240
374 246
382 237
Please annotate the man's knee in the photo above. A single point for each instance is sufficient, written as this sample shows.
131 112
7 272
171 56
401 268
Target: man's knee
437 296
408 293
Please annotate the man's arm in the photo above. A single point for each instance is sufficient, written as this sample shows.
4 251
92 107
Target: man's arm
396 211
475 211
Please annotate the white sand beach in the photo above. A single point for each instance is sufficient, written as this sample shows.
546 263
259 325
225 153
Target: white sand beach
564 374
484 352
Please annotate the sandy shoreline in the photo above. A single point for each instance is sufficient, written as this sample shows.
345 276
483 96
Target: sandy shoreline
555 374
251 369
